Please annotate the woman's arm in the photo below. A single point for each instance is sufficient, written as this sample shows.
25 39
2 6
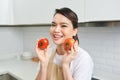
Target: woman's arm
67 58
42 74
43 58
66 72
83 67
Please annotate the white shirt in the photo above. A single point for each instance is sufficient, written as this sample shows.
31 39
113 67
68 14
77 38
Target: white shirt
81 67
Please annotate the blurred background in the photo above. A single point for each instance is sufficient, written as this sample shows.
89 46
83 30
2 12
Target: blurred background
23 22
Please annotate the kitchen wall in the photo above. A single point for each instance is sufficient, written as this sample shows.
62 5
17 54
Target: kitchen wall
102 43
11 41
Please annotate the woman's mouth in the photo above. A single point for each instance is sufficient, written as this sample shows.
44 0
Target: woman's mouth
57 37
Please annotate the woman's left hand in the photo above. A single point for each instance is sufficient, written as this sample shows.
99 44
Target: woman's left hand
70 55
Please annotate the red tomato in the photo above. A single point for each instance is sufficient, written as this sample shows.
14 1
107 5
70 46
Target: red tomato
43 43
69 42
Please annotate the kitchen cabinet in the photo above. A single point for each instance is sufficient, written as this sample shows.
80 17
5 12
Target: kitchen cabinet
42 11
102 10
35 11
6 12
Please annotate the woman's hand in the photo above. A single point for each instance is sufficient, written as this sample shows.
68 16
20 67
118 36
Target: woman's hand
43 58
42 54
70 55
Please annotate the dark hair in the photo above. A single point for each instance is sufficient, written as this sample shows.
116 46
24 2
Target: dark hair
71 15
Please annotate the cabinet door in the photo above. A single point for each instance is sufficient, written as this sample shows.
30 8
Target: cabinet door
6 12
102 10
41 11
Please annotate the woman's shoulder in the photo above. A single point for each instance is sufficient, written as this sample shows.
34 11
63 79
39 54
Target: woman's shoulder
82 55
82 59
83 52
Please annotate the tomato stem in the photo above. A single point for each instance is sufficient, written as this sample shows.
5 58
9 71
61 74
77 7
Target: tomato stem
67 44
41 44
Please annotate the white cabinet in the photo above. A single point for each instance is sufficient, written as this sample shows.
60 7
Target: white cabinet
42 11
102 10
6 12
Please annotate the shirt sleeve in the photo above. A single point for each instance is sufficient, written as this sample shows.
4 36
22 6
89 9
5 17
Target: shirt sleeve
82 66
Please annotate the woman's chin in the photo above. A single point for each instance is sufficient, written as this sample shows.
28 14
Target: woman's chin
57 42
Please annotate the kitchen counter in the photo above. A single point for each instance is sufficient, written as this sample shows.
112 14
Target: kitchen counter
27 69
21 69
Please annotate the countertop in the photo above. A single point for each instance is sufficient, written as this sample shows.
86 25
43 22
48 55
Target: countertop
22 69
27 69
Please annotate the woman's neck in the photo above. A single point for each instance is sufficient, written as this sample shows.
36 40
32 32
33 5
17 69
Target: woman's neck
60 50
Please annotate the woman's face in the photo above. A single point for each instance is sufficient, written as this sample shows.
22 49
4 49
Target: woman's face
61 29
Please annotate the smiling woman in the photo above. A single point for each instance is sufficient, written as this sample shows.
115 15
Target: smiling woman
71 64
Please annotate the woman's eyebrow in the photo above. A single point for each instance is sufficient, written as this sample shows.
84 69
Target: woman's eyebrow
52 22
64 23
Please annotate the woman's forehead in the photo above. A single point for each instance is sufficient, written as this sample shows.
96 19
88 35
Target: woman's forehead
61 18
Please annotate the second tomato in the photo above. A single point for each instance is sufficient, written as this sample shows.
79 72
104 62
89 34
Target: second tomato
69 42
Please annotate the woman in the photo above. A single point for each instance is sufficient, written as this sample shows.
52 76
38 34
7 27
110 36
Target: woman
57 63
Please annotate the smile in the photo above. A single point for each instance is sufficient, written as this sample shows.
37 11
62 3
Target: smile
57 37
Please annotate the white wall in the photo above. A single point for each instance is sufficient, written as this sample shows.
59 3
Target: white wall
11 41
103 44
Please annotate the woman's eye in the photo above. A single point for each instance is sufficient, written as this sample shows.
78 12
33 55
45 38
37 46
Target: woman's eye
64 26
53 25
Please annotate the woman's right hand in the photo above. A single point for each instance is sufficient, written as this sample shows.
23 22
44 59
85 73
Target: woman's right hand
42 54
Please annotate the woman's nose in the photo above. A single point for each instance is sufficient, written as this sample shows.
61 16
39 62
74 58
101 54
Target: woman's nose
57 29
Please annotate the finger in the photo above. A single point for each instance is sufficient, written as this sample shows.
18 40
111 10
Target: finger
36 49
72 50
76 46
70 53
65 54
36 46
47 50
37 42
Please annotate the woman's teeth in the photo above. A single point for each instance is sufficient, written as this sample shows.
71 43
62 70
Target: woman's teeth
57 36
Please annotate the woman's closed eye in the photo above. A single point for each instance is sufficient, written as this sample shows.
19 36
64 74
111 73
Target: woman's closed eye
63 26
53 25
